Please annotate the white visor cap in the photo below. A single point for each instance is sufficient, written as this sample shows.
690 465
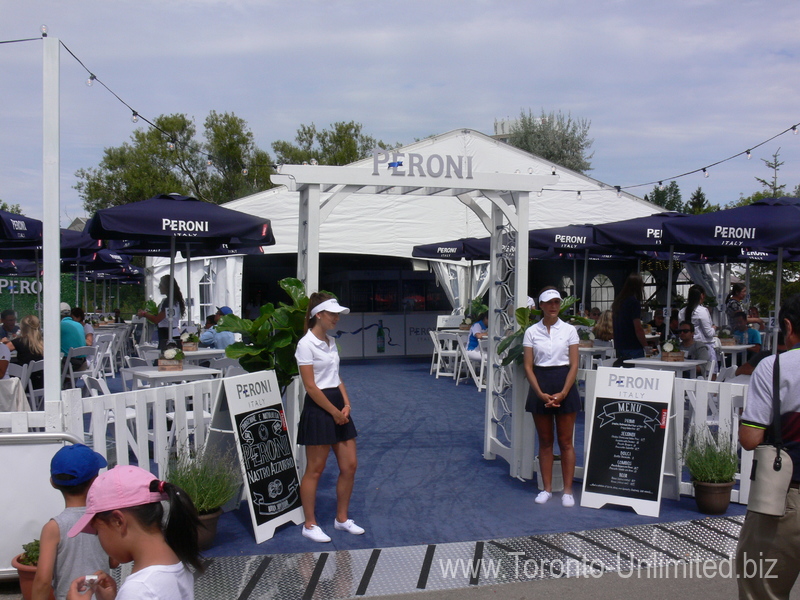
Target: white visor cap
331 305
548 295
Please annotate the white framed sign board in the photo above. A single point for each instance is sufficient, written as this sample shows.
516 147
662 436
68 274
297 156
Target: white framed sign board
250 405
629 428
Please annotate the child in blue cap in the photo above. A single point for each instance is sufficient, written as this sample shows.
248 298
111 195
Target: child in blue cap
62 559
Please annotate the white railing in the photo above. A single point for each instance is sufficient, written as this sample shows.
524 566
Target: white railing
150 424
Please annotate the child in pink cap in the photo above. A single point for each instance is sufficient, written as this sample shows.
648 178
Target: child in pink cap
125 508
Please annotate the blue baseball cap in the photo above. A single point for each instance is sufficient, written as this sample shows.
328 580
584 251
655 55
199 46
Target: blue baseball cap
225 310
75 464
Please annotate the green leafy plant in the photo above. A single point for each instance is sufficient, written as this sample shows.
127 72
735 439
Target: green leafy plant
710 460
477 308
271 339
585 334
150 307
30 554
190 337
724 333
526 317
211 479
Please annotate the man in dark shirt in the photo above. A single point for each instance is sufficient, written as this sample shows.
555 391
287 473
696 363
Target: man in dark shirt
10 327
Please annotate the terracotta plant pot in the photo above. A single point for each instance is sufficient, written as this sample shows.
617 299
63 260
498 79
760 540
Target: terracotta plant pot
208 529
712 498
26 575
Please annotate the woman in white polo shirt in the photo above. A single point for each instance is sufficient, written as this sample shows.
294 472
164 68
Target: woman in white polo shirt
325 422
551 364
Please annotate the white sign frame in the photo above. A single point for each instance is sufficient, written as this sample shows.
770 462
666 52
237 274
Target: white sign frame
253 399
635 386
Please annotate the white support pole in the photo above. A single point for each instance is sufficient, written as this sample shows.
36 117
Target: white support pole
778 282
669 288
308 234
522 440
586 305
51 243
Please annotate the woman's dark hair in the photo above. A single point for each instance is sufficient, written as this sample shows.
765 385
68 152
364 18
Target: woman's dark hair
695 293
180 530
633 286
177 296
78 313
736 289
790 311
314 300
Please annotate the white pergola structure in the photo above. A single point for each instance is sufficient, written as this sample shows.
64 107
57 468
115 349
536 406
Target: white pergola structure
436 176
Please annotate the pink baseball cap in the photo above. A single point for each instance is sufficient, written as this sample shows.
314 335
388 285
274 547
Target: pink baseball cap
121 487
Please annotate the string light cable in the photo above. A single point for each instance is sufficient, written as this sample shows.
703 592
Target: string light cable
173 143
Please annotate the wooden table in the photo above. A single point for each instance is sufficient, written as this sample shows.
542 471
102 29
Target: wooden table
678 367
154 377
195 356
739 352
586 354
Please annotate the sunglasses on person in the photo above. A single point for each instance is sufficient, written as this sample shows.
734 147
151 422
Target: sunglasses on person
684 331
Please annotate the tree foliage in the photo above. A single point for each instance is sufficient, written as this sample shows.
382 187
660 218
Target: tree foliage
698 204
669 197
771 186
12 208
342 144
555 137
169 158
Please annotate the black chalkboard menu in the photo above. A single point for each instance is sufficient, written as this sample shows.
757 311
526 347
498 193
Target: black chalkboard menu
250 408
627 441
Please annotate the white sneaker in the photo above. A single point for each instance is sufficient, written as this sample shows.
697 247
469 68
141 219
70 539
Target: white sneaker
348 526
567 500
543 497
315 534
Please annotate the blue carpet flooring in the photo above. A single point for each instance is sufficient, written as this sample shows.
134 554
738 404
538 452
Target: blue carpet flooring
422 478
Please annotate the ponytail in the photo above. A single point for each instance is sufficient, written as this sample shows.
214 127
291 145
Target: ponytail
180 523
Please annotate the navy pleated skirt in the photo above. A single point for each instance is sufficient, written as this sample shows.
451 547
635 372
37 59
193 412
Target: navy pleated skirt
317 427
551 381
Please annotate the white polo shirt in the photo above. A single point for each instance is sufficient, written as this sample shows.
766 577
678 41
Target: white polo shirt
550 349
324 357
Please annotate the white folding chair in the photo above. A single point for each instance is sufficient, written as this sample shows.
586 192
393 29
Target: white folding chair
68 372
35 395
127 378
466 361
142 349
97 386
104 343
232 370
436 348
447 364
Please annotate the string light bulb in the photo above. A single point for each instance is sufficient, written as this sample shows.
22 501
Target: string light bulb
134 117
43 29
619 191
661 185
794 129
705 173
209 161
314 162
244 171
579 195
553 172
171 145
748 155
90 81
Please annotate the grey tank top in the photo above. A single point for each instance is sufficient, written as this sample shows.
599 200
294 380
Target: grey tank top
81 555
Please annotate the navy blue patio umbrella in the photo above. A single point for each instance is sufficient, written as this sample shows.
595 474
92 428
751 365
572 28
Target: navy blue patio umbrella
16 228
170 221
767 225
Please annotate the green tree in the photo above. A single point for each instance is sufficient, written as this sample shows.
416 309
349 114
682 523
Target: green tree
342 144
669 197
555 137
12 208
698 204
168 159
771 185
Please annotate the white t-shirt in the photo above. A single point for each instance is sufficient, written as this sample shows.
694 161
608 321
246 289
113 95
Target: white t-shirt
550 349
159 582
176 317
324 357
701 319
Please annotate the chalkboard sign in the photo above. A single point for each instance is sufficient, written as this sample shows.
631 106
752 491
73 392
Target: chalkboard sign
627 441
256 417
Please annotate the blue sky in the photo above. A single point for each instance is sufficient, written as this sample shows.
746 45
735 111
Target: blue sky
670 86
